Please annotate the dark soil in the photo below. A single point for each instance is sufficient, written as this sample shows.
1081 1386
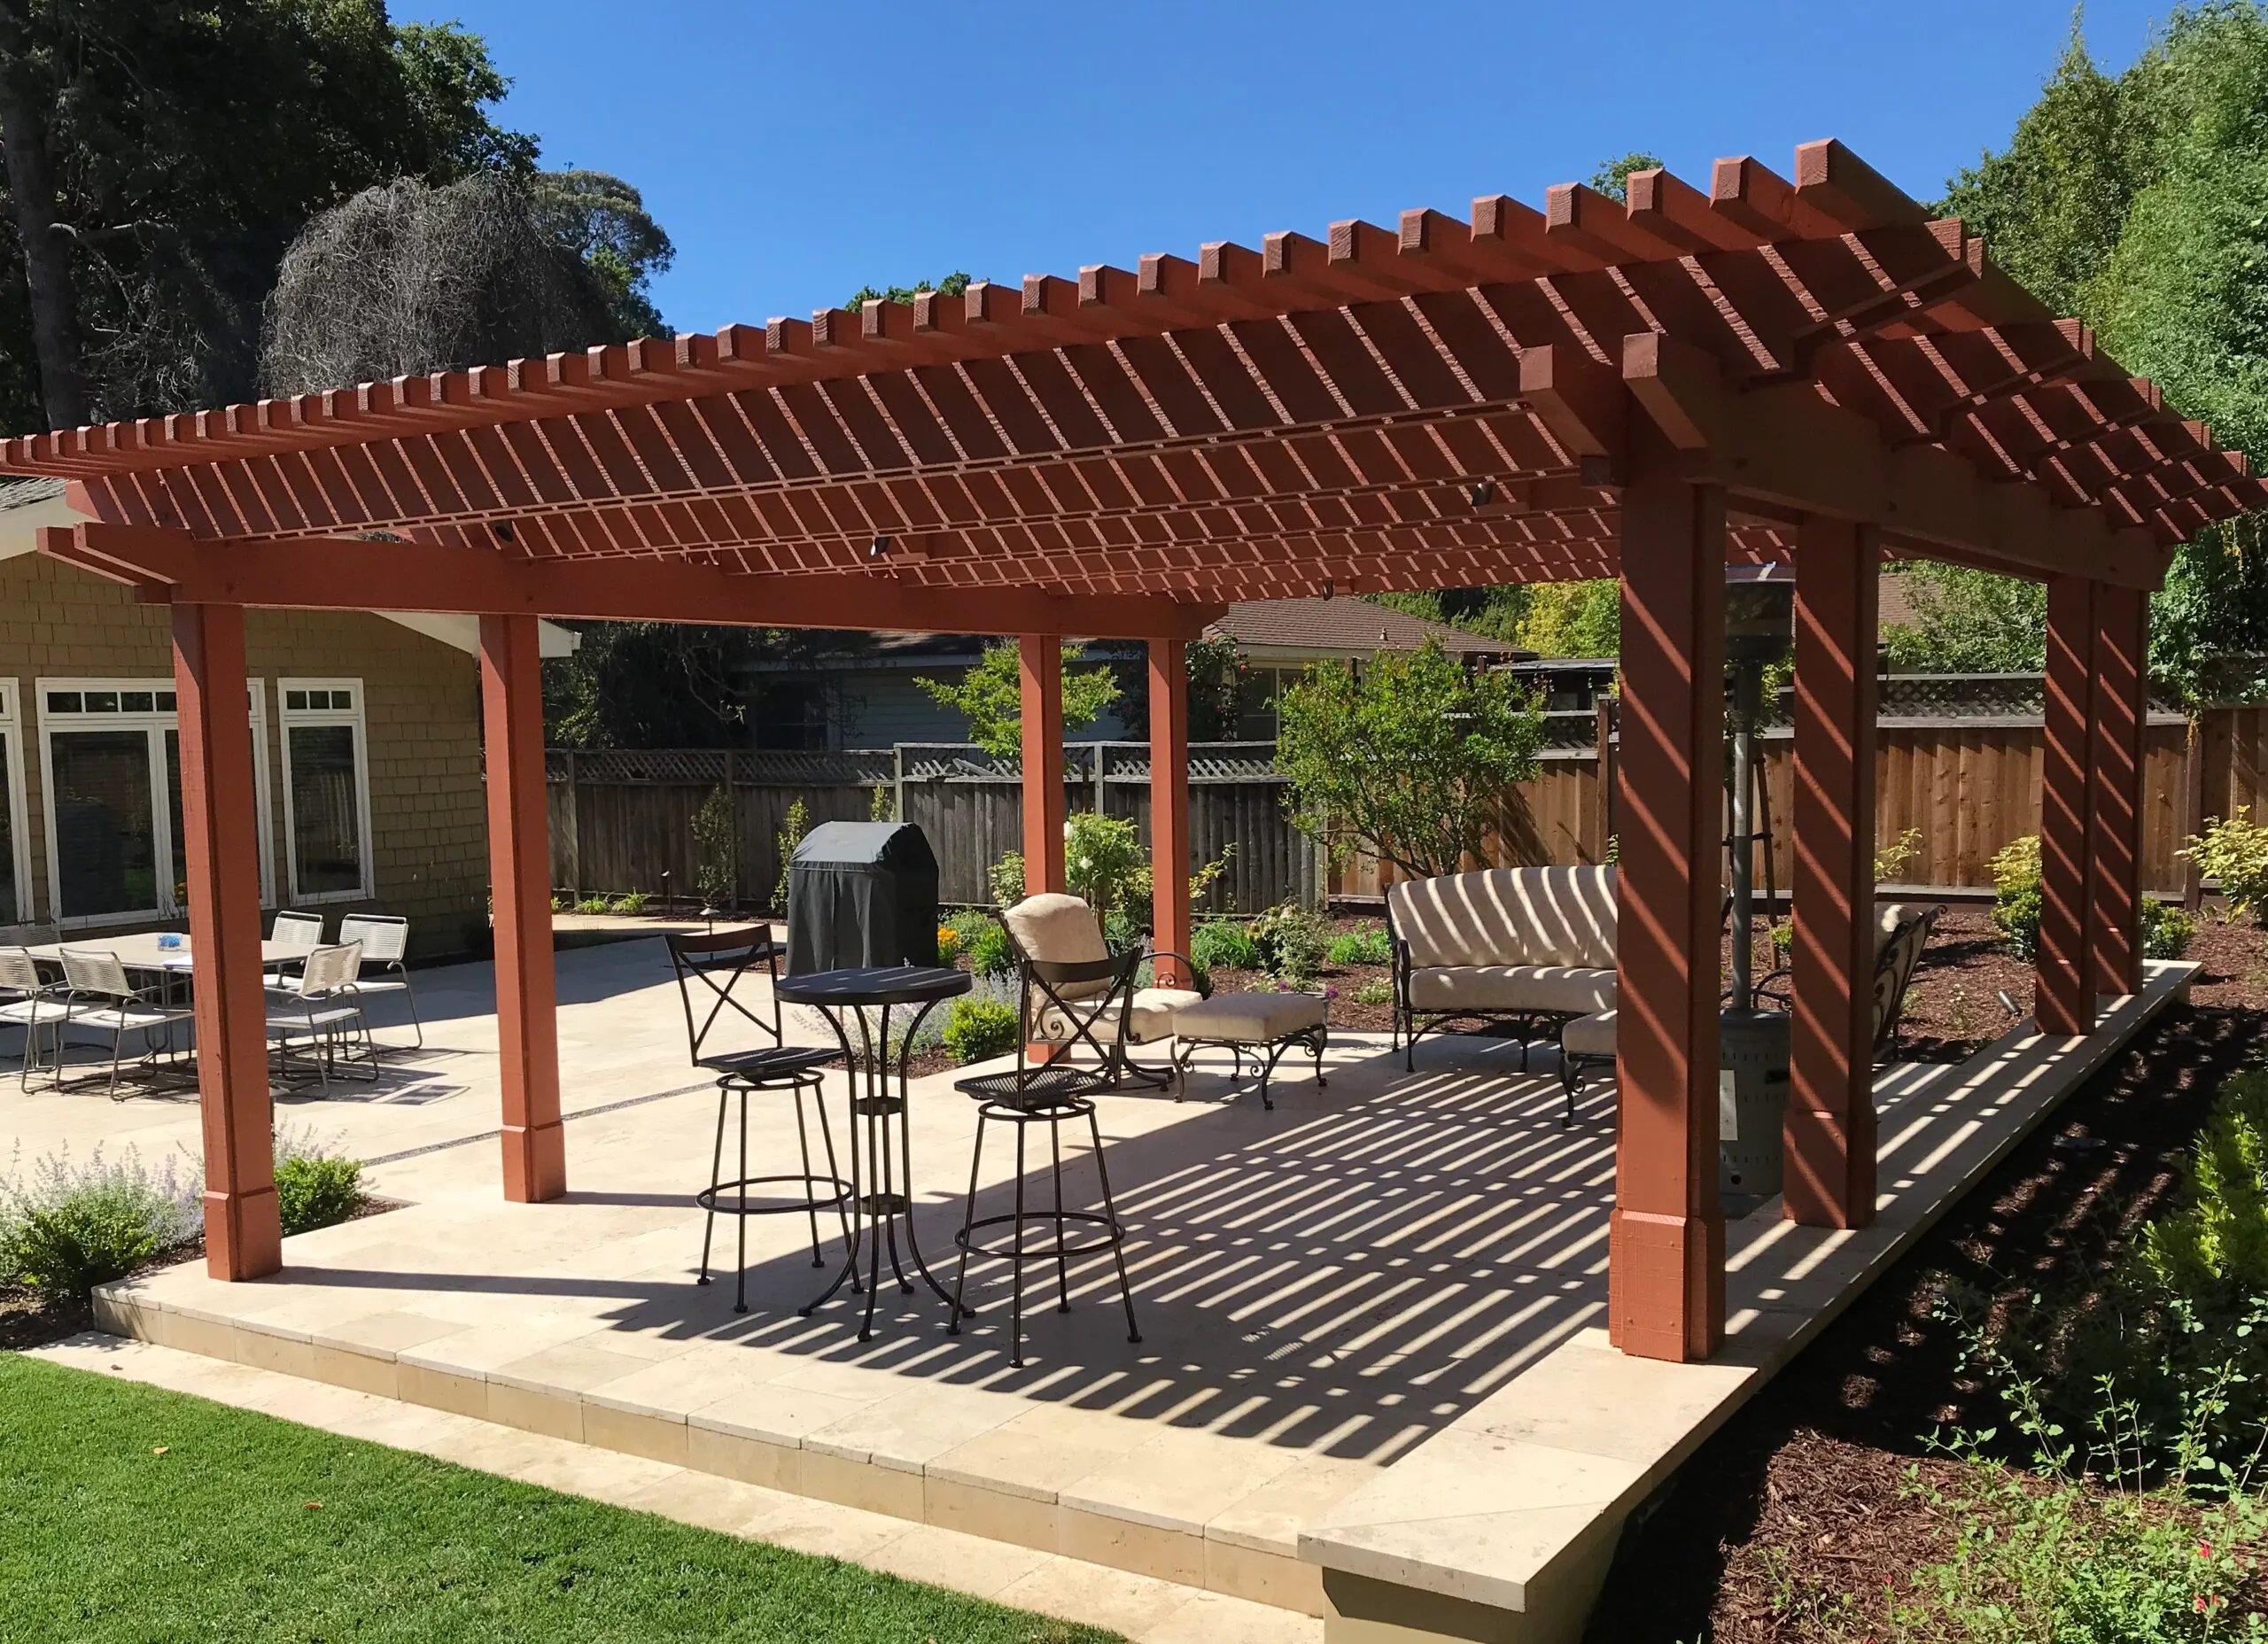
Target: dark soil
1800 1488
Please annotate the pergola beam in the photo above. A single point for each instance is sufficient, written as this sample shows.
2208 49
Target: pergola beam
354 574
1782 447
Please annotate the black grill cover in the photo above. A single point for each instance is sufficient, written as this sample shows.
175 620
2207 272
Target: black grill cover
861 894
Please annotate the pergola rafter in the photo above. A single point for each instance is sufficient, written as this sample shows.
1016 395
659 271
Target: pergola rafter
1803 369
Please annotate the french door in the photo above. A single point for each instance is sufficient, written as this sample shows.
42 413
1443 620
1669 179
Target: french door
110 754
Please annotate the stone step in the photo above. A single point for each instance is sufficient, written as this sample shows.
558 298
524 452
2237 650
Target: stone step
1046 1481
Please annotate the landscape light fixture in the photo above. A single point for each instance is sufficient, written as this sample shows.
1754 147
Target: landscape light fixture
879 547
1484 492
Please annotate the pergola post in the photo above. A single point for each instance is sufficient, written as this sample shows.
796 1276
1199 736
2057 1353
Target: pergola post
1169 803
520 878
220 843
2064 998
1829 1129
2120 675
1667 1243
1041 659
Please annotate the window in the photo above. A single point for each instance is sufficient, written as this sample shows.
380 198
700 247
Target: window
790 714
15 833
326 789
109 750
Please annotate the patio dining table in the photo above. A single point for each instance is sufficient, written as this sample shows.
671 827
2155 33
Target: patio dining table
145 950
881 1190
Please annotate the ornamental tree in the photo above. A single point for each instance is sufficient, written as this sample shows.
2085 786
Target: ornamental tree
1407 757
991 694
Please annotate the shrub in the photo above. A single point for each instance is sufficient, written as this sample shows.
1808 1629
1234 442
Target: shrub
1289 941
316 1191
1362 947
1891 859
1102 855
1005 879
716 846
591 904
2233 851
628 902
1378 991
1224 944
2016 896
980 1028
985 940
2166 931
792 829
70 1227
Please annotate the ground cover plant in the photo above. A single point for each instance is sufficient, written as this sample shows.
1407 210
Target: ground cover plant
1839 1506
137 1514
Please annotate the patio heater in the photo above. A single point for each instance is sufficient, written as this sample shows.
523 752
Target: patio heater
1752 1060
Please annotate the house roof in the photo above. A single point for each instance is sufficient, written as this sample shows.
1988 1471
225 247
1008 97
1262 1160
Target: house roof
1332 627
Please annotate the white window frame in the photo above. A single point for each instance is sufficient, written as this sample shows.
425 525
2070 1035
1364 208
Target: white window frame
154 723
12 782
287 719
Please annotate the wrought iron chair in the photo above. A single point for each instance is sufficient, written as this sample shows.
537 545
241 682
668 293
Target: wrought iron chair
1082 994
1056 929
97 994
27 1002
385 938
322 1005
710 968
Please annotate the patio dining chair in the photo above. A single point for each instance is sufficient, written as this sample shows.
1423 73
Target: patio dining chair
322 1005
96 994
716 974
302 931
385 941
1103 1013
27 1002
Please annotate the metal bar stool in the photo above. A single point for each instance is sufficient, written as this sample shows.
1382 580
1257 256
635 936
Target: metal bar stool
1052 1094
717 962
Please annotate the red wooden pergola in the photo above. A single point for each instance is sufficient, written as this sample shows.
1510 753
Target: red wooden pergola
1809 370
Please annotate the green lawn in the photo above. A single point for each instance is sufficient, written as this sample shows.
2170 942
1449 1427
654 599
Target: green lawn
104 1539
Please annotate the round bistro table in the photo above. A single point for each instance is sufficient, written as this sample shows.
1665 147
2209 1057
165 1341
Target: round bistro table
881 1191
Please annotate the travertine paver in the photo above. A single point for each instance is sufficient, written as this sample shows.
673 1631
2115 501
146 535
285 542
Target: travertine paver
1148 1612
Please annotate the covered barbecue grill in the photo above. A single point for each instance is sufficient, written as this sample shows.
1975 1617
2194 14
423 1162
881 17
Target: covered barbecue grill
861 894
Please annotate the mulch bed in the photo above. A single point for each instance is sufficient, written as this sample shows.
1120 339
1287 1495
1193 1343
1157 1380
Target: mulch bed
1800 1488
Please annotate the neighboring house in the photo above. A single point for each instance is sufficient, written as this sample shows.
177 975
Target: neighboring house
864 695
366 731
1280 639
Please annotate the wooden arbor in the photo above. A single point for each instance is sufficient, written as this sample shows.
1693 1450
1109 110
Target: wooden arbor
1801 369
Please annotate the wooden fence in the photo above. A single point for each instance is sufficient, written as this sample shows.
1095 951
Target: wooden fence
1969 781
621 820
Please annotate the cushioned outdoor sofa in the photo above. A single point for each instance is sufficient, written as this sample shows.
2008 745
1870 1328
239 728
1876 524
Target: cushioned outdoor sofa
1531 948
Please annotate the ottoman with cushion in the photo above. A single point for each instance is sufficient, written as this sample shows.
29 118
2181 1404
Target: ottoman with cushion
1260 1022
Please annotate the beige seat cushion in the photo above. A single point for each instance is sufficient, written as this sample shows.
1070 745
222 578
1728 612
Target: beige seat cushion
1061 930
1511 987
1508 915
1251 1018
1152 1017
1589 1036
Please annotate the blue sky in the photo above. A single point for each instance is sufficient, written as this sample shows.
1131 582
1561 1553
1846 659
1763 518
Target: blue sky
794 154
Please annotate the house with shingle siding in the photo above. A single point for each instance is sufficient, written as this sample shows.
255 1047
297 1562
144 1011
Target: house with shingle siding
366 730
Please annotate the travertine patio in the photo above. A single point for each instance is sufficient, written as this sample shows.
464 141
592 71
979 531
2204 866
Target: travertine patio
1370 1360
